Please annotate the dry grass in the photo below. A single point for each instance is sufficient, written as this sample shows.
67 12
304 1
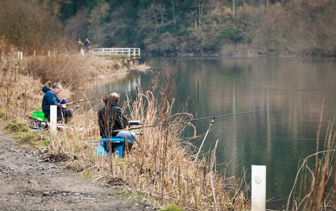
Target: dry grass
19 94
315 183
73 70
159 168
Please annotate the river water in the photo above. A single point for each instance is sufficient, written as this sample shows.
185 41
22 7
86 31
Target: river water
286 93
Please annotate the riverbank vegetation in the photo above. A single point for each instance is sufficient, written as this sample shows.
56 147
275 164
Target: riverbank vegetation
315 183
158 168
202 27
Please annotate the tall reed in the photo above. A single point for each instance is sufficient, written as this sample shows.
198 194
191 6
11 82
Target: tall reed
164 172
159 167
315 183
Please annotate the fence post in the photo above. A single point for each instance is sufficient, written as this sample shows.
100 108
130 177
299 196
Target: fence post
258 189
53 118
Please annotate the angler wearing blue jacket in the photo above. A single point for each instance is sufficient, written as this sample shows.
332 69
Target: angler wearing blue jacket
50 98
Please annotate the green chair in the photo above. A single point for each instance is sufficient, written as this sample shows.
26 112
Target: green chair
39 115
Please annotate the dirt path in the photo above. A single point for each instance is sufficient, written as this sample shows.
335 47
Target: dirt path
28 183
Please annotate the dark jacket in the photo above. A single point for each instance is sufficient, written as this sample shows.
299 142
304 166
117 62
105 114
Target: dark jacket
49 98
110 118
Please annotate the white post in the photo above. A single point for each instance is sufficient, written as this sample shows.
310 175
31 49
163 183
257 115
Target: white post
48 53
53 118
20 55
258 190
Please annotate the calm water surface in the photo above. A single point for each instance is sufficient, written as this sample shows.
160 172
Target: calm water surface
279 139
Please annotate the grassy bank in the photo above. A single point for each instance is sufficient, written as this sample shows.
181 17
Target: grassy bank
159 169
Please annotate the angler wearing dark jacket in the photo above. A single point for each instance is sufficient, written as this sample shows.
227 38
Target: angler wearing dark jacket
110 119
50 98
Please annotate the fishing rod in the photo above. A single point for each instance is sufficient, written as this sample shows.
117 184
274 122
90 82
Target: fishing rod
74 102
82 100
86 100
205 118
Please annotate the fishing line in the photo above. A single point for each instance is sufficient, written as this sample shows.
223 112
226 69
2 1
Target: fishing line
205 118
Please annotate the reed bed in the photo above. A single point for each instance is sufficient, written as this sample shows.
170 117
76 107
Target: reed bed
315 183
19 94
73 70
159 168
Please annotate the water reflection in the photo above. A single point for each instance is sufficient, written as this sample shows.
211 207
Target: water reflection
278 139
125 85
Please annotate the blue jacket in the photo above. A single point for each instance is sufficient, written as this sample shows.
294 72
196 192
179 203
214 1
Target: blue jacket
49 98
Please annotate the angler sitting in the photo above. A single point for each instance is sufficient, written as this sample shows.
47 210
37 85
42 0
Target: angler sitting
111 120
50 98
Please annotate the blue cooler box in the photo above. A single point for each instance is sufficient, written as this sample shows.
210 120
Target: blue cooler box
117 145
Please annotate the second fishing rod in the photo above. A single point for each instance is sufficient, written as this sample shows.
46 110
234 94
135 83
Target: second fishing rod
206 118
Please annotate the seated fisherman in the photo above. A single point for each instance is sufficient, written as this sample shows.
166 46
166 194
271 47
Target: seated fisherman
50 98
111 119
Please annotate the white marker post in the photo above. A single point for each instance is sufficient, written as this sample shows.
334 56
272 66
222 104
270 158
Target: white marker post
20 55
53 118
258 192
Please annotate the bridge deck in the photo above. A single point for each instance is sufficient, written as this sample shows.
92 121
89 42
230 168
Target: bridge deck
118 52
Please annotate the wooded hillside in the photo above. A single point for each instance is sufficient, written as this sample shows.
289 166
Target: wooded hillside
170 27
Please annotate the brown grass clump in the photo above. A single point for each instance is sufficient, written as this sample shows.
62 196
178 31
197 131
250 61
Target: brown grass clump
316 189
19 94
158 167
73 70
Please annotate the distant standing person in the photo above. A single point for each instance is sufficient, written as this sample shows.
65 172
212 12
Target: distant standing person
86 45
79 45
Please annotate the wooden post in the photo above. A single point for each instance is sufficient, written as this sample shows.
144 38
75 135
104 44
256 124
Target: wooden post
48 53
258 190
53 118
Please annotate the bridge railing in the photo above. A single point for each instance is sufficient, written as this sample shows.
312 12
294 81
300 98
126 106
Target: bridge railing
118 52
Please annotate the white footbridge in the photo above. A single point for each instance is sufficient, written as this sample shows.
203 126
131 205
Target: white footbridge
116 52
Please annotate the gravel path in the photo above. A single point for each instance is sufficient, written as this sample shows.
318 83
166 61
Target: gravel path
29 183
